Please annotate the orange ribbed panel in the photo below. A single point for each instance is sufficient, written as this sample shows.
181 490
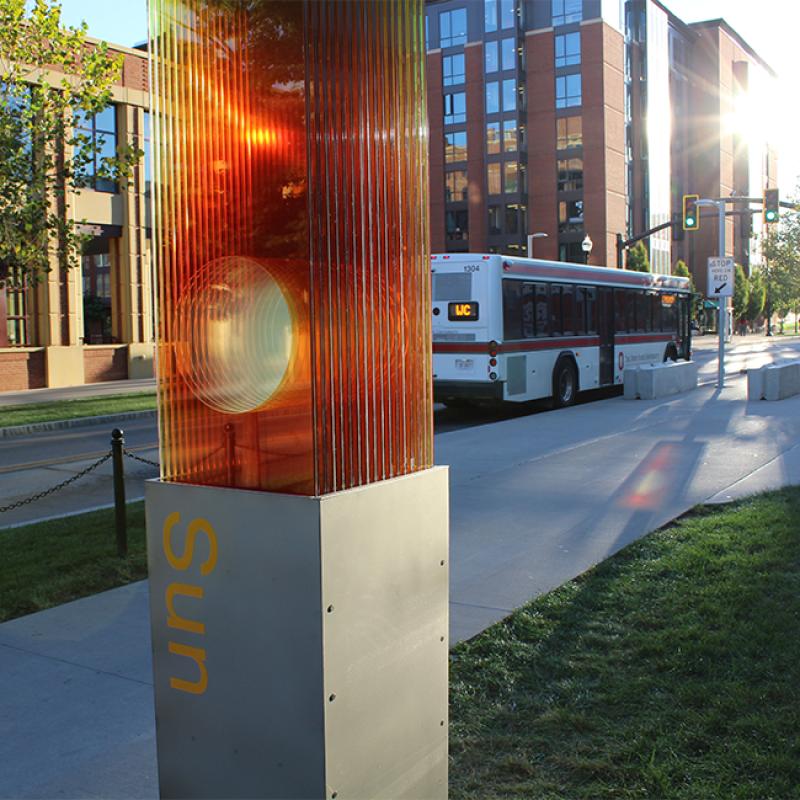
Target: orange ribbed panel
291 240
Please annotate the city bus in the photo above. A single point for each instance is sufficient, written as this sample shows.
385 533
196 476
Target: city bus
512 330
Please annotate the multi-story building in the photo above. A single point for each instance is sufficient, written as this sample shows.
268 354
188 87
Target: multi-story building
575 118
94 323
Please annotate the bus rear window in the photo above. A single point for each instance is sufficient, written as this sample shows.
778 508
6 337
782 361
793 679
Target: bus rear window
452 286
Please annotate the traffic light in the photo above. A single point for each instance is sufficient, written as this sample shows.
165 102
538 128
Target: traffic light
771 205
691 213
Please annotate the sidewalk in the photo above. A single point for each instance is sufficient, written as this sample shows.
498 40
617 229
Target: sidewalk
104 389
535 501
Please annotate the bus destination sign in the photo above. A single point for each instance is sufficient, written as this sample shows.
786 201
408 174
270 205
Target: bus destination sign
462 312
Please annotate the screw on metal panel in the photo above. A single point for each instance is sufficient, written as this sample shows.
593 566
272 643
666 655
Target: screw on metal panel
441 563
331 698
441 723
334 795
330 609
441 638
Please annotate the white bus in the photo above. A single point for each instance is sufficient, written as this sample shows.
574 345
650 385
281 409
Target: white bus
511 329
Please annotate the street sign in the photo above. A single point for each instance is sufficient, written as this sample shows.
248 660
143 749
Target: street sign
720 277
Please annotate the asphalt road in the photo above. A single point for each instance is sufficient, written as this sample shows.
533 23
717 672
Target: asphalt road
34 463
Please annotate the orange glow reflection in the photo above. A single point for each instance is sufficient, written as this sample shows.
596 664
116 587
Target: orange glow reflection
294 329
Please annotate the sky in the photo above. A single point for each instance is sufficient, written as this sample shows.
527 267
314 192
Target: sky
770 28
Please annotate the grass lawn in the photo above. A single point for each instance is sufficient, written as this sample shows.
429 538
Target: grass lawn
670 671
71 409
49 563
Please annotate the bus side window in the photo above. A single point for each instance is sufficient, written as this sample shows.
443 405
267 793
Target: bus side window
655 302
568 309
555 310
528 319
630 310
580 310
512 310
591 311
542 310
644 312
619 310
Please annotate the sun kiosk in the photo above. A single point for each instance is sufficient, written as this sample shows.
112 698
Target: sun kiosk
298 535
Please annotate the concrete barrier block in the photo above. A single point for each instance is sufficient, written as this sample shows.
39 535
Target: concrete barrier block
653 381
782 381
630 382
755 383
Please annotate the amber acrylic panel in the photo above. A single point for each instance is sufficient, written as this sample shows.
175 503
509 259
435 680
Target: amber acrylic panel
291 242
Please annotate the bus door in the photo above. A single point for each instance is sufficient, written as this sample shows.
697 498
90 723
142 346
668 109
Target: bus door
605 329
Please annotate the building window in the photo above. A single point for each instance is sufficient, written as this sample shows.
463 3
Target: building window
96 274
512 219
570 216
511 172
492 97
510 94
490 57
508 14
494 221
568 91
455 186
16 313
453 27
455 108
490 15
568 49
456 225
455 146
508 53
569 132
148 154
493 178
100 132
570 174
565 11
510 135
453 69
492 138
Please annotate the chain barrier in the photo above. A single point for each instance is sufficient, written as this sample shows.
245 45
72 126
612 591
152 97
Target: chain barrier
57 487
143 460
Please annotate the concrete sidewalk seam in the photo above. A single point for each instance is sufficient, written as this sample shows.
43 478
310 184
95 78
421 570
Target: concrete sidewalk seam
486 608
15 431
95 670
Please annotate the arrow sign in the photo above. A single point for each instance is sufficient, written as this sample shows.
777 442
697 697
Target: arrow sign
720 277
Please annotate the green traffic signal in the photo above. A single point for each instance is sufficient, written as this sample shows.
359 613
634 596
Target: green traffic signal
771 205
691 217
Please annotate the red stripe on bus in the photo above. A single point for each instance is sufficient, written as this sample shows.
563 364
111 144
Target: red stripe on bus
643 338
515 347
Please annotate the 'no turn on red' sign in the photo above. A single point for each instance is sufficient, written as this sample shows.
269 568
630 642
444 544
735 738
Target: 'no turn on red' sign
720 277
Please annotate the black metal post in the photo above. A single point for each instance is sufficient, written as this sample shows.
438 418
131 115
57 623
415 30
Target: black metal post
120 519
620 246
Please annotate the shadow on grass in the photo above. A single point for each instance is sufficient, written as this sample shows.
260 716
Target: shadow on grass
671 670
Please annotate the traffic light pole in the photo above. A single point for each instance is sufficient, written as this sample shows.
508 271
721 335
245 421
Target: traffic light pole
722 301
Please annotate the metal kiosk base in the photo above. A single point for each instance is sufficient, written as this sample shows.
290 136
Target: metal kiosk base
300 644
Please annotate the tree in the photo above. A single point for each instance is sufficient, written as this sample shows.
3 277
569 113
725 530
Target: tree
48 75
780 248
758 296
741 293
682 271
638 260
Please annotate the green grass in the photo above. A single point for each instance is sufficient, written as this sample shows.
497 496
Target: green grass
71 409
49 563
670 671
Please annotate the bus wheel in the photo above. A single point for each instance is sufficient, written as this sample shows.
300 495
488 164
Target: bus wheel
565 383
671 353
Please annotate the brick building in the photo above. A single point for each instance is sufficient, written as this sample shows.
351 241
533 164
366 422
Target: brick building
586 117
94 323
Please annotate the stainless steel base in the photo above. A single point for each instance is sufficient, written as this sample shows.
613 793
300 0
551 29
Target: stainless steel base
300 644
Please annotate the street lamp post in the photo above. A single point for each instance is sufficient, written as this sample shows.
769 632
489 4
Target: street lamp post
531 237
586 245
721 301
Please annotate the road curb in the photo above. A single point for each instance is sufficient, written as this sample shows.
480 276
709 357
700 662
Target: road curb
79 422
